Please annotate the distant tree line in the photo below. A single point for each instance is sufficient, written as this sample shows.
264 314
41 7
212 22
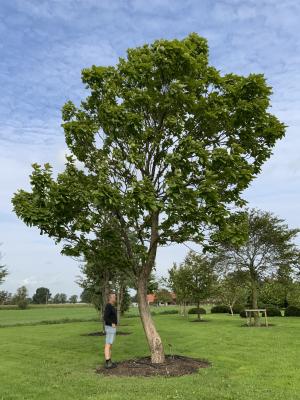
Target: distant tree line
42 295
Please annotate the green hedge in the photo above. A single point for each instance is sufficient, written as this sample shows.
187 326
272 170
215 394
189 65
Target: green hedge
220 309
292 311
237 308
197 311
273 311
164 312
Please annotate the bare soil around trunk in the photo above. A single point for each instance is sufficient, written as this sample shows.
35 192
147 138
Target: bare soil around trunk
262 325
173 366
199 320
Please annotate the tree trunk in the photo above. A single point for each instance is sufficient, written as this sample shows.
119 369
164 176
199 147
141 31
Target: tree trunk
255 301
184 309
198 309
231 310
119 301
153 338
105 292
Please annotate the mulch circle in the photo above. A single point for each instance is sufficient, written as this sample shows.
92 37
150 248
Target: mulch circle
199 320
173 366
119 333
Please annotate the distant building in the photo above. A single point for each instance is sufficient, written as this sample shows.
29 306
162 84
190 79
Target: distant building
152 300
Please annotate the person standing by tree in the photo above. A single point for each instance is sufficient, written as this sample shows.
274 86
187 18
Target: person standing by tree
110 321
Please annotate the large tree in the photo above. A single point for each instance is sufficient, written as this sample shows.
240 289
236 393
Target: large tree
168 144
269 249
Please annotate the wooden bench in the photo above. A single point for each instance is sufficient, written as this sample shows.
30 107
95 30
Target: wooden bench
257 310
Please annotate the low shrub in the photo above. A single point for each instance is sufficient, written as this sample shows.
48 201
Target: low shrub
197 311
273 311
243 314
292 311
237 308
165 312
220 309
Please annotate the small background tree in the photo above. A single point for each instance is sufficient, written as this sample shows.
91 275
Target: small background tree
73 299
3 271
42 296
202 280
293 296
273 292
233 289
177 282
86 295
163 296
5 297
269 248
21 298
59 298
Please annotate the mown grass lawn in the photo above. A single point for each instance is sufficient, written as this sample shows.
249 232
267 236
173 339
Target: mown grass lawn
56 362
36 314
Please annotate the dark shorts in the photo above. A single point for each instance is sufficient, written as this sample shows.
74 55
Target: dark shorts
110 334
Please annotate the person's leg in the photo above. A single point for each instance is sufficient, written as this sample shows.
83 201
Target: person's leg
110 335
107 351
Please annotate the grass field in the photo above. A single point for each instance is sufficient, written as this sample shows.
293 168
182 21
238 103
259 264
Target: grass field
49 314
56 362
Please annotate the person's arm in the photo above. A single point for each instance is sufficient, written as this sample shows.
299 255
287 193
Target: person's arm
110 316
107 314
114 318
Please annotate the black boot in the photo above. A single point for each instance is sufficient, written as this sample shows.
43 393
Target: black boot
109 364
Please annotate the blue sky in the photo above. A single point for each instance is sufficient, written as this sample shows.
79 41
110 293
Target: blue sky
45 44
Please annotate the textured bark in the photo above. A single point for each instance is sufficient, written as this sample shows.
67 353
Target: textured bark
153 338
105 292
119 301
